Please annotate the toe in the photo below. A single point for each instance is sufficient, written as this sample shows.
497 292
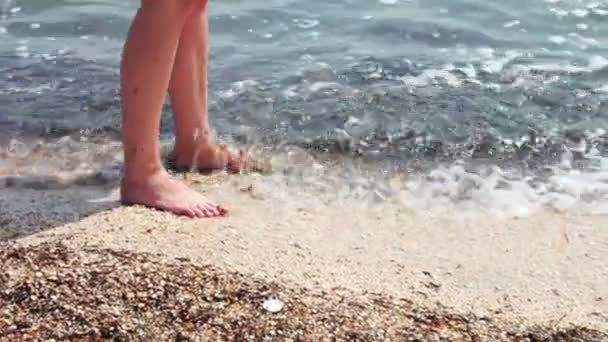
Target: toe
211 210
185 211
223 211
203 210
217 209
199 212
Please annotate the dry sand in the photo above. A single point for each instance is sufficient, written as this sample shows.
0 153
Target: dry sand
549 268
50 292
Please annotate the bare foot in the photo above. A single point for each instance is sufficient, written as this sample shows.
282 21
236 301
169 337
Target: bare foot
212 156
162 192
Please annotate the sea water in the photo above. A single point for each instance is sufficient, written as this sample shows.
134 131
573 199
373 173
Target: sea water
466 104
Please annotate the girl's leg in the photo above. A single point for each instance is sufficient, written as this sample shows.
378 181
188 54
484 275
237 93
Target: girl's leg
188 85
146 67
188 89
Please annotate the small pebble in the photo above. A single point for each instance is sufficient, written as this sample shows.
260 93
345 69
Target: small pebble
273 305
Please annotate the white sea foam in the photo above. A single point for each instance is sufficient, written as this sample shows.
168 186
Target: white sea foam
559 40
431 76
580 12
511 23
558 12
320 86
602 89
306 23
597 63
238 88
451 188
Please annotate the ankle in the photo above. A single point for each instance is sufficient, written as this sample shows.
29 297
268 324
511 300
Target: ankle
190 143
188 152
133 175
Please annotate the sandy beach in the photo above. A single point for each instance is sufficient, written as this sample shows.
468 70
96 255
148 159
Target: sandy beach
547 269
432 170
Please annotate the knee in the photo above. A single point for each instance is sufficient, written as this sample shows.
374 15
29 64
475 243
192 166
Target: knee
179 8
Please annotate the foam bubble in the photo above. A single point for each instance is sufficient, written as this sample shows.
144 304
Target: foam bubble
598 62
583 42
430 76
238 88
559 40
290 91
511 23
554 67
602 89
601 12
306 23
580 12
320 86
497 65
558 12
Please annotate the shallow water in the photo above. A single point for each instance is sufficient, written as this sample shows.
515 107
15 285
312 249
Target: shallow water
481 101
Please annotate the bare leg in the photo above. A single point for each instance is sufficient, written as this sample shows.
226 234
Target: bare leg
147 63
188 88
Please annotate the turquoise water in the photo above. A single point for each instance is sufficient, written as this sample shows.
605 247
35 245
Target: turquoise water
521 84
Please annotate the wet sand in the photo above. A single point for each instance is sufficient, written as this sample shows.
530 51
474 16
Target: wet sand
548 269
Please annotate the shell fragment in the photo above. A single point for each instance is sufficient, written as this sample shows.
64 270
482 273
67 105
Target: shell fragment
273 305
